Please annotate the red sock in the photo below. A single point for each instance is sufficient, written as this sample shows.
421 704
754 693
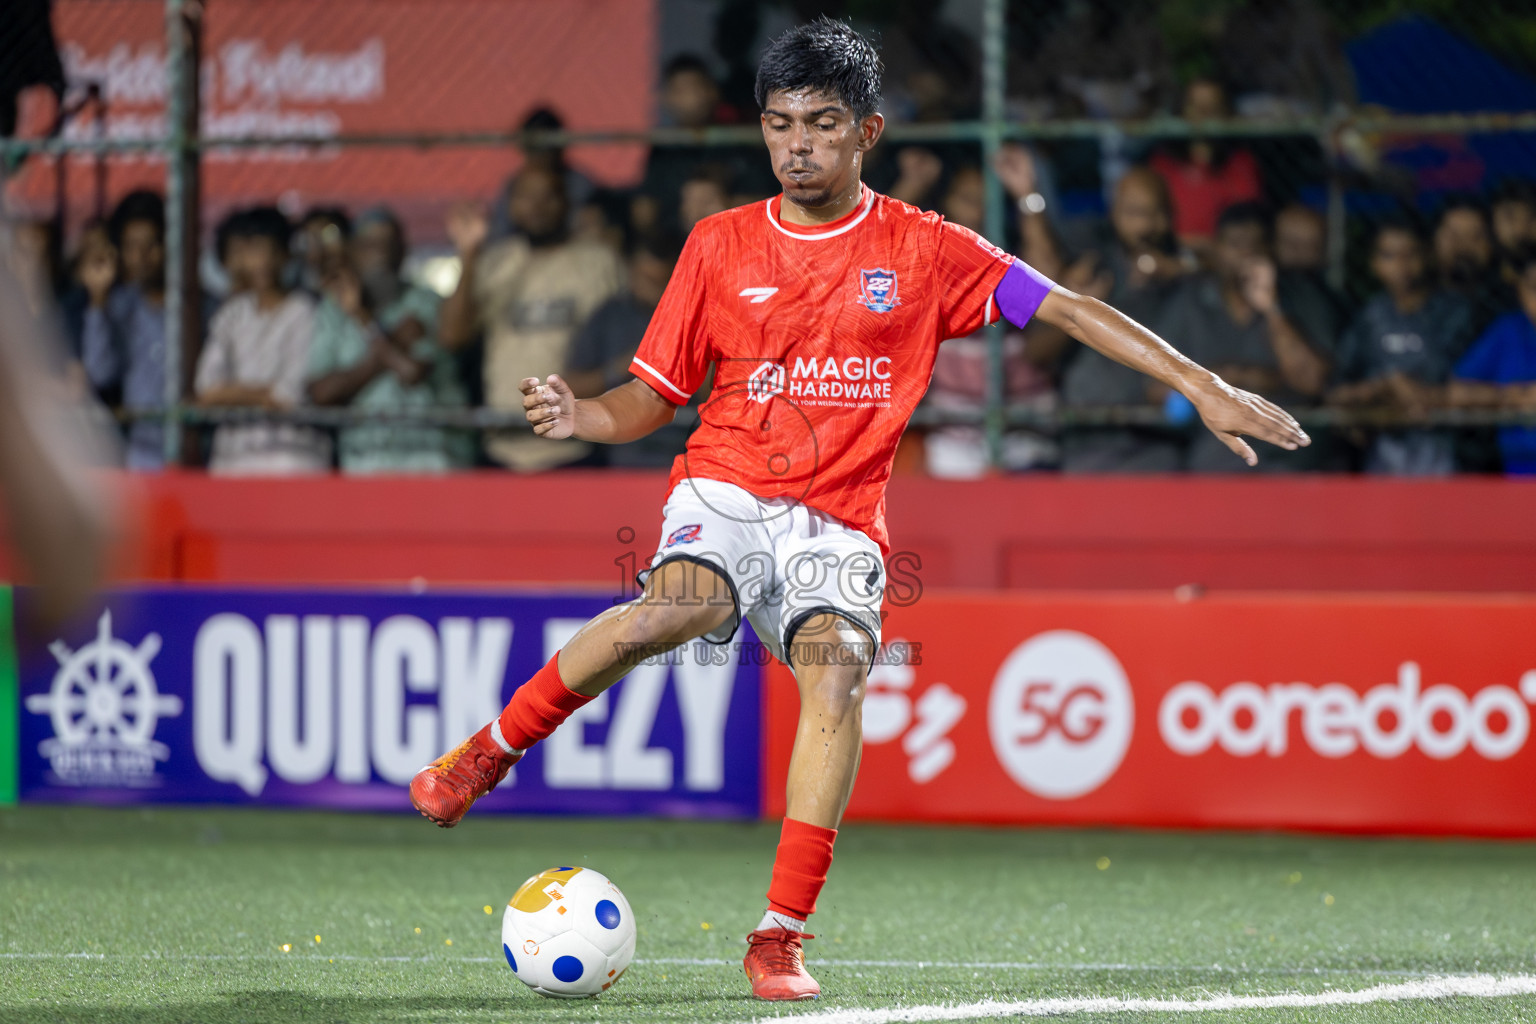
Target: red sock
539 706
800 868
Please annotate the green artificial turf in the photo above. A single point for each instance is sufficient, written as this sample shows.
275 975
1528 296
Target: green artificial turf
182 913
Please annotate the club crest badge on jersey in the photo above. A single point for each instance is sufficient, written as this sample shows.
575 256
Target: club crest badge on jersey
877 290
684 535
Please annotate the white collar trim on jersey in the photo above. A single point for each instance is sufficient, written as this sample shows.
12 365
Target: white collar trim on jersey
816 236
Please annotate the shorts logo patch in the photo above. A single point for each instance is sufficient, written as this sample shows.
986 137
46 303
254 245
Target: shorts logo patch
684 535
877 290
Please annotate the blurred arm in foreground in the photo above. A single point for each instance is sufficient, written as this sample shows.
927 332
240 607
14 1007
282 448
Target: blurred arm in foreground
59 515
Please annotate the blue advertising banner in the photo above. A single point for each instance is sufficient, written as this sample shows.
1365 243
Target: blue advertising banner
322 698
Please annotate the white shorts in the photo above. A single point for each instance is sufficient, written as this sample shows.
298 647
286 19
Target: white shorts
784 561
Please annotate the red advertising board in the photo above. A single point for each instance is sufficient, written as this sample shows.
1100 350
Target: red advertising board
1357 713
306 70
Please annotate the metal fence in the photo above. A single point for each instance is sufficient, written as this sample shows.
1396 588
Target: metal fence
1335 151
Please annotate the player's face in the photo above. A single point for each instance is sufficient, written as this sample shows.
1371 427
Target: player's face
817 145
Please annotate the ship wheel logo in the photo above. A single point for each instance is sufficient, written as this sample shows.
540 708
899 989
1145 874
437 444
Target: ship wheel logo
104 707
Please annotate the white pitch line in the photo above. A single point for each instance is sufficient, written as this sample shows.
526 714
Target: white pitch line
313 956
1476 986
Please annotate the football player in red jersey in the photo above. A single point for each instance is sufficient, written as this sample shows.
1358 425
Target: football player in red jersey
821 311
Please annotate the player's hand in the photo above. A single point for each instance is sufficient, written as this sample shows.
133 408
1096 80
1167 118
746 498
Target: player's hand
467 228
1232 413
550 406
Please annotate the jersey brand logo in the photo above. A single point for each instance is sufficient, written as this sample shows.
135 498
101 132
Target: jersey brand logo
877 290
757 295
765 382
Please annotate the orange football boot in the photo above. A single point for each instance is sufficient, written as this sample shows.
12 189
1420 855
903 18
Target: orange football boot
445 789
775 966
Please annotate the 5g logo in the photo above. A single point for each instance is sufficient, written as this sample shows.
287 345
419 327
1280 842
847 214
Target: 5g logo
1060 714
1078 715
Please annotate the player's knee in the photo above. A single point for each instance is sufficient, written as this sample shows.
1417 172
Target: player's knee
834 691
681 601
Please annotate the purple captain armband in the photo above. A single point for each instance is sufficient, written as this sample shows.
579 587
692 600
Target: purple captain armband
1021 291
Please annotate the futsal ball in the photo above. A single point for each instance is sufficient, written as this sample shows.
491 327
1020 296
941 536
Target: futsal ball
568 933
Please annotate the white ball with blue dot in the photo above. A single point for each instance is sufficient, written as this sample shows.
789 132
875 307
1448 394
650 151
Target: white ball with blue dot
568 933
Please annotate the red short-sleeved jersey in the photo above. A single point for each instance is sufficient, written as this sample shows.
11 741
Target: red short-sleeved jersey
823 341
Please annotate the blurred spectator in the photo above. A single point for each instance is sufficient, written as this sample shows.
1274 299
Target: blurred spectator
600 354
1301 248
319 248
919 171
1499 371
1104 59
122 344
1205 175
701 195
1261 330
1133 263
930 62
1284 58
1406 337
1301 239
1513 214
1464 259
375 349
963 367
229 249
604 219
529 294
691 99
578 187
257 355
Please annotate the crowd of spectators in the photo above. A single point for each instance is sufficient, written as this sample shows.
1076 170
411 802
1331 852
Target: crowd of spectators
558 275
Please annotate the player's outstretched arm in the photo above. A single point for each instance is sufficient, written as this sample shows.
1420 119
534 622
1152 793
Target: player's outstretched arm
1230 413
625 413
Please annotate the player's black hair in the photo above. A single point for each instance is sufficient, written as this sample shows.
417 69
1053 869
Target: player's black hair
141 204
826 55
686 63
263 222
1246 212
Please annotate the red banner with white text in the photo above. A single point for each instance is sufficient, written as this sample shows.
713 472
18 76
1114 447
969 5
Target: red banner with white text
1373 714
310 71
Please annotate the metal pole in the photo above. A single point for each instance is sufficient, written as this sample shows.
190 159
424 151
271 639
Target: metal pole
993 84
176 45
